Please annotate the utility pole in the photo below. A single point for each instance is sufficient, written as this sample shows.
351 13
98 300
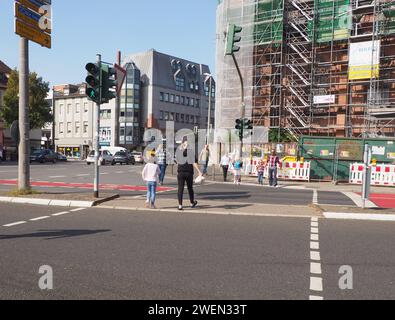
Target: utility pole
24 125
97 134
117 108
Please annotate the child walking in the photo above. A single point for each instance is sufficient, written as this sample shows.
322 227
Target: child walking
261 167
150 175
237 165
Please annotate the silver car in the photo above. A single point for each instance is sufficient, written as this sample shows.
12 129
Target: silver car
104 158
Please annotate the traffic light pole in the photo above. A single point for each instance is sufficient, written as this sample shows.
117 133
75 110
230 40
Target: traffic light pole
24 126
243 107
97 135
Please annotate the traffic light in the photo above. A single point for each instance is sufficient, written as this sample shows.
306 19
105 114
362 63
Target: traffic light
93 82
232 38
109 83
248 124
240 127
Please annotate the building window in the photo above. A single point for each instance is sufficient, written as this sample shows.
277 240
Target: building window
187 118
192 102
180 84
166 97
61 127
178 99
197 120
187 101
197 103
177 117
161 115
68 108
172 98
172 116
161 96
183 100
77 128
85 127
166 116
182 118
61 108
85 107
192 119
68 127
77 108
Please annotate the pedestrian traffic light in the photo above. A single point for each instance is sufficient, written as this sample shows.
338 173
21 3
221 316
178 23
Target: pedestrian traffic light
232 38
109 83
93 82
248 124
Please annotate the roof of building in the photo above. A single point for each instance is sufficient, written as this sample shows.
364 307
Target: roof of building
4 68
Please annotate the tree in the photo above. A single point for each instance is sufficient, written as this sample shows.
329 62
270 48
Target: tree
39 109
285 136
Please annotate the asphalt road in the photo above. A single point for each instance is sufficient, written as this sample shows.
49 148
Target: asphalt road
108 254
77 172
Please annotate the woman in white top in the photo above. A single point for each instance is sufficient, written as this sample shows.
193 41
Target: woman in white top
150 175
225 162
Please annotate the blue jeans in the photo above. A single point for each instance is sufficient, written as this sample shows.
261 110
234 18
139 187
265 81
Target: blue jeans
151 192
260 177
162 168
204 167
273 177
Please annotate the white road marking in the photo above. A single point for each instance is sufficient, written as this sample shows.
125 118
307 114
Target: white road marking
315 268
359 216
314 245
314 237
316 298
14 224
315 255
314 230
60 213
314 219
54 177
83 175
315 196
314 224
40 218
316 284
104 173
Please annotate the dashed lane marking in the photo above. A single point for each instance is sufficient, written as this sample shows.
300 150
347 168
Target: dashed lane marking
78 209
14 224
39 218
60 213
316 282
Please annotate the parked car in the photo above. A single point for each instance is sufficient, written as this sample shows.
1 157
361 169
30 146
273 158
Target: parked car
61 157
104 158
138 156
42 156
122 157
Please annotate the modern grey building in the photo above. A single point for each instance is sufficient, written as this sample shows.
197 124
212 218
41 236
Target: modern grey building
172 89
158 88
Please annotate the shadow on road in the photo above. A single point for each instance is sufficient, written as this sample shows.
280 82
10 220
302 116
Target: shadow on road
54 234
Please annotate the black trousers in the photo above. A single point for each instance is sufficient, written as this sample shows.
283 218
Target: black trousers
185 177
225 170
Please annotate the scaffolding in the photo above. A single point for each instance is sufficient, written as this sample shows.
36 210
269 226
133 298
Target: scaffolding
312 67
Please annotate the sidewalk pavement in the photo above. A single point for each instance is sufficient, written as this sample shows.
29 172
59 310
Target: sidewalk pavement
214 207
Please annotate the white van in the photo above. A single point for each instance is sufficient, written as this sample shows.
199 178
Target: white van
113 150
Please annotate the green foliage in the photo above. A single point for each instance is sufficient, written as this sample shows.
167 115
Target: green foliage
285 136
40 110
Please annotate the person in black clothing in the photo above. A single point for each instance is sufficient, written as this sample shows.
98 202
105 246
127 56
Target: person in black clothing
186 164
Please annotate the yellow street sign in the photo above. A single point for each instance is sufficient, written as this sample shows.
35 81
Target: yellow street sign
32 33
29 17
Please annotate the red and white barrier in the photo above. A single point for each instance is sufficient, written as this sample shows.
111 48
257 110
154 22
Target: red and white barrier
296 171
382 174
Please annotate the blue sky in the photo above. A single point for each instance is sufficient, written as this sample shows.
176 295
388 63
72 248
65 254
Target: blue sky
184 28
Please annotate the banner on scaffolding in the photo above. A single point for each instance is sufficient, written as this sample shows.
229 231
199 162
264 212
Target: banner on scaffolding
364 60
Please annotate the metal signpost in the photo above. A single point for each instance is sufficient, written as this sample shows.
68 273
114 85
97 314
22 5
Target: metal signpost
32 22
367 175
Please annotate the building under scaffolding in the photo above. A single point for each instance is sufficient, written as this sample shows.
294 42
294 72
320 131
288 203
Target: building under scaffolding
312 67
